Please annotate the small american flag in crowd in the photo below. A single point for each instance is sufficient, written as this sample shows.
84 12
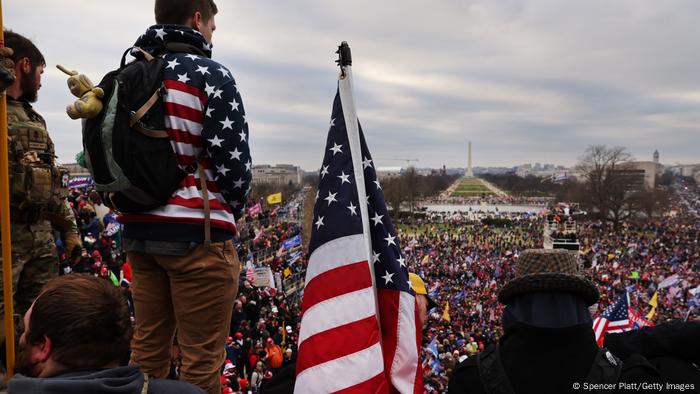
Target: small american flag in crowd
343 347
615 318
250 275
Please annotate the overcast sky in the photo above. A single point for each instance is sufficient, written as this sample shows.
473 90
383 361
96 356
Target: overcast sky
525 81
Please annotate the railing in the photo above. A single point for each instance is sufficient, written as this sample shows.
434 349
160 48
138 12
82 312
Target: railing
565 227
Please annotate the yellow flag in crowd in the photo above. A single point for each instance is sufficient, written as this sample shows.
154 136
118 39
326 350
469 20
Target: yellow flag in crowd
287 272
274 198
653 302
446 313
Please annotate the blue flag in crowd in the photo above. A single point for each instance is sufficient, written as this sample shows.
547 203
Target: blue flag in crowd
432 347
293 257
434 292
436 366
694 302
292 242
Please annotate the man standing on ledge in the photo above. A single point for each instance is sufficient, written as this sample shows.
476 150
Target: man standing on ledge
179 279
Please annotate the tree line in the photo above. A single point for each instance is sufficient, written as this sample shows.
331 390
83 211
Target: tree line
604 182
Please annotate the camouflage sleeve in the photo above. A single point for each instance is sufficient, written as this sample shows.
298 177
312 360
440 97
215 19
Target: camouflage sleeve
62 217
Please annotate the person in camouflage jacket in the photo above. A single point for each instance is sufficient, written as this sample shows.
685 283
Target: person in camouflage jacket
37 191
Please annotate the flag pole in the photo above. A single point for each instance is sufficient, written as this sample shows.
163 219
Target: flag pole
347 101
6 240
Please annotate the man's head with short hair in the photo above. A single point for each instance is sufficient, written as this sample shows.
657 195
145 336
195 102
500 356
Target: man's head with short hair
29 65
197 14
77 322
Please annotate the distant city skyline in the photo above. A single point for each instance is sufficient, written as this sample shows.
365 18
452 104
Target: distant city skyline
524 81
395 163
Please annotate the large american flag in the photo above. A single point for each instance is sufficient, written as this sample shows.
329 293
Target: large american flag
615 318
356 335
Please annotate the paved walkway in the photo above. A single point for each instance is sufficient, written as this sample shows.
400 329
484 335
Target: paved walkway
494 189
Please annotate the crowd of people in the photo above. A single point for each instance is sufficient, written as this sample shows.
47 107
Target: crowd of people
489 200
265 317
464 259
100 252
465 262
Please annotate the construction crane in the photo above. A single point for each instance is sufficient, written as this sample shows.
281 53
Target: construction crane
408 161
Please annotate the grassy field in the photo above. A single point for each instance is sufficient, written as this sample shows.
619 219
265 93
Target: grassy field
470 194
471 187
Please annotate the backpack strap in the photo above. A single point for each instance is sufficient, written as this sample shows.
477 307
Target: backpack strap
606 368
131 50
136 116
207 210
493 376
145 54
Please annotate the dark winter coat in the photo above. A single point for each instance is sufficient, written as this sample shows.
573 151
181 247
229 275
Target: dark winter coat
121 380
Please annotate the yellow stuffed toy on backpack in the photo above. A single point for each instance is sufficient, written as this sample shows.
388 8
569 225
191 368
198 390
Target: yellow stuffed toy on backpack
89 103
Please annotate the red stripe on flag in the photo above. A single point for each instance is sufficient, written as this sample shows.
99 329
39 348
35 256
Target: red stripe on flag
185 137
183 87
620 324
337 342
184 160
215 205
601 338
183 112
418 386
376 385
336 282
191 181
388 316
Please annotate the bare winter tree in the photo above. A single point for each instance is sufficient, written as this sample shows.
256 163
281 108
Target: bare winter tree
652 201
608 184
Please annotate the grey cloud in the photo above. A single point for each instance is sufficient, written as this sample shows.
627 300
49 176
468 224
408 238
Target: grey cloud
525 81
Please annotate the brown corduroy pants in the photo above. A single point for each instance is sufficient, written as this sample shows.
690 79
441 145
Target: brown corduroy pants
193 293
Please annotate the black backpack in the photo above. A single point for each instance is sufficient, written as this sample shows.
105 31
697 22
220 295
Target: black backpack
127 151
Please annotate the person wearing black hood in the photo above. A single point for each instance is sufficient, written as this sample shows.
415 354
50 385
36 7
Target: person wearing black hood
548 344
185 265
76 333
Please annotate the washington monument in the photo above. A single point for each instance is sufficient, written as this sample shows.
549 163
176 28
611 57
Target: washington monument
470 173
